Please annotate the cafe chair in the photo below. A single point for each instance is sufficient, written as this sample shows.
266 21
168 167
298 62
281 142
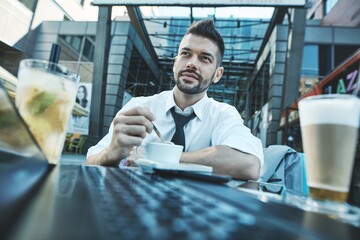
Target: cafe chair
67 141
76 144
285 166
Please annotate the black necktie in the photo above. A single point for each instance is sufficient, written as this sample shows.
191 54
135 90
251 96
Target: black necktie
180 122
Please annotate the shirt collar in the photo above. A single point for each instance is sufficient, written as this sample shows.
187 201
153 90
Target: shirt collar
198 107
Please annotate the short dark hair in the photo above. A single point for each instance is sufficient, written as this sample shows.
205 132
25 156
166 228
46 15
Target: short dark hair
206 28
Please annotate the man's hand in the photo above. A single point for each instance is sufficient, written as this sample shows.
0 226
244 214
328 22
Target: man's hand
130 128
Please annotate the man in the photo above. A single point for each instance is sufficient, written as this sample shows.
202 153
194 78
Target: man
216 136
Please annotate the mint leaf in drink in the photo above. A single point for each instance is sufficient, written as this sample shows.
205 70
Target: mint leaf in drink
40 103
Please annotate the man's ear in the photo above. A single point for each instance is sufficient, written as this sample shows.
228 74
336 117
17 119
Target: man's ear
218 75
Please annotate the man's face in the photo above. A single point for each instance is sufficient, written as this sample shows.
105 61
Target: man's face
195 66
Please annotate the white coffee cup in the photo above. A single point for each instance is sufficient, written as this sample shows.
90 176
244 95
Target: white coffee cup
160 152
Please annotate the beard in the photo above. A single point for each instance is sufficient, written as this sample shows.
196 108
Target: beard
203 84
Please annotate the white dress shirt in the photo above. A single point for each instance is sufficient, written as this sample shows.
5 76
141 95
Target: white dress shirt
215 123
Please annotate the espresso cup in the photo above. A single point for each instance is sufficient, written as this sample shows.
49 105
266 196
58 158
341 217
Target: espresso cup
160 152
329 127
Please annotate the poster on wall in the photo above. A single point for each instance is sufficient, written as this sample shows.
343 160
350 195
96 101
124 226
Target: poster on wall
80 117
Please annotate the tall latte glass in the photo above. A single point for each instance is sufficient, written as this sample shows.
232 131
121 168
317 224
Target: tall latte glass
45 97
329 126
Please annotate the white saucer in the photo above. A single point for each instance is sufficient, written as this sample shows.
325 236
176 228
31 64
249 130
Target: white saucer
148 166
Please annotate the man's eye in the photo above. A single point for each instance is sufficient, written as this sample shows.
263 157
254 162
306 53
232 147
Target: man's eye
184 53
206 59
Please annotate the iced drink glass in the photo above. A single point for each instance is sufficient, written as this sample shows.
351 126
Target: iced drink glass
329 127
45 97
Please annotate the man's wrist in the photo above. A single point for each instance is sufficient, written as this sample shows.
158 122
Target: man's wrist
111 157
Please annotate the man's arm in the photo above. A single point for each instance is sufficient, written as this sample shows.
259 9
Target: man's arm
106 158
226 160
130 128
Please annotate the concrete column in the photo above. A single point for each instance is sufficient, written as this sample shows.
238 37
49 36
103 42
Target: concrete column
100 75
294 56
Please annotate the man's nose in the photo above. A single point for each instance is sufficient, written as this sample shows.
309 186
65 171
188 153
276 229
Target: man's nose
192 64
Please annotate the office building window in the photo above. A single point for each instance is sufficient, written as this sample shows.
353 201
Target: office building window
326 57
84 45
74 41
140 80
342 52
320 60
88 50
310 74
310 61
259 91
329 4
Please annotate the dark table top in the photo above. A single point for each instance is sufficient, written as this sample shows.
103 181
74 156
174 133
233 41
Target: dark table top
65 184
